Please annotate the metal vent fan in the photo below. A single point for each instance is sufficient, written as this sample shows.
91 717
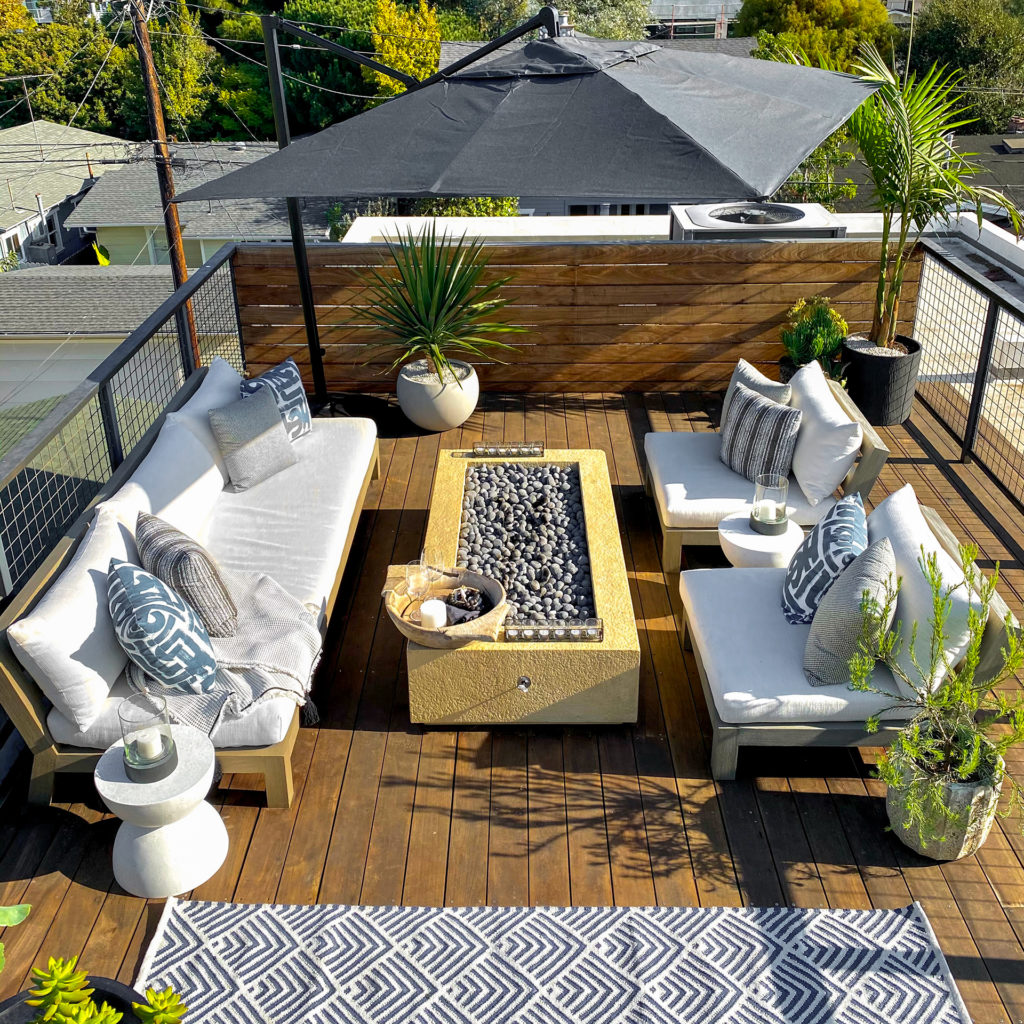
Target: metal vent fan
757 213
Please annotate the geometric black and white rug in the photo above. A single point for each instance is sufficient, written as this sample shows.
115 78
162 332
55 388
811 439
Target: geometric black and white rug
242 964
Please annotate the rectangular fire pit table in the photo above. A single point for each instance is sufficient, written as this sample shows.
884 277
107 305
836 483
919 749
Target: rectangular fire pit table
525 681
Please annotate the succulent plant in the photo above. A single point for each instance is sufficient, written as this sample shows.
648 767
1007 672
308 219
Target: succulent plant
160 1007
61 993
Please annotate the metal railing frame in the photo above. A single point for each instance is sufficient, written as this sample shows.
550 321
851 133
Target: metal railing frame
99 386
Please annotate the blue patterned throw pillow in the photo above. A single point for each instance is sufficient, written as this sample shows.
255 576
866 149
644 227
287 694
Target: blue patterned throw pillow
285 383
834 542
158 630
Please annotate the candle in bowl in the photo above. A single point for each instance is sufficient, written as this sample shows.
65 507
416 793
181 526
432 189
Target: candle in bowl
433 614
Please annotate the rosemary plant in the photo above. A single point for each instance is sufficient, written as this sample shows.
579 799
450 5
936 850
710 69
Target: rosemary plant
961 724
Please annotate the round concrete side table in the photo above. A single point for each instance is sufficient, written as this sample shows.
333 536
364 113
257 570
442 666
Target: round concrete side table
747 549
171 839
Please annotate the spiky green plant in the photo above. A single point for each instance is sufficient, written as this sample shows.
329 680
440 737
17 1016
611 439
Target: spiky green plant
160 1007
904 130
814 332
433 301
9 917
961 725
61 991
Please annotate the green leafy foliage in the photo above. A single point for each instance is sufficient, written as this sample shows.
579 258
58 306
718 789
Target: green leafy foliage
829 30
10 916
903 132
433 301
467 206
457 24
9 261
61 993
610 19
814 331
406 38
984 39
961 725
163 1007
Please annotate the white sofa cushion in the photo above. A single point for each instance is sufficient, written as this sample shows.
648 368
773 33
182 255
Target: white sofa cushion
177 480
754 658
694 489
67 642
900 519
219 387
294 526
828 442
267 723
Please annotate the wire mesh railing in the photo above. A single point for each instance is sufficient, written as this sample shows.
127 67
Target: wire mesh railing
49 477
972 367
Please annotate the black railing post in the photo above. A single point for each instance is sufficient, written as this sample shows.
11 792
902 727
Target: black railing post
111 431
980 380
238 312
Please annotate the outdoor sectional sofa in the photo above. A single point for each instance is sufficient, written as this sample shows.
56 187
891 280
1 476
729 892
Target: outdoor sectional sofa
297 526
693 490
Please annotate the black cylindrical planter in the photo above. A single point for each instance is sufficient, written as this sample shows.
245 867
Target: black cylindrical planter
16 1011
882 382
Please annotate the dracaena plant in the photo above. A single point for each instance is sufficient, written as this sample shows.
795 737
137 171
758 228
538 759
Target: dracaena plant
960 724
434 303
904 131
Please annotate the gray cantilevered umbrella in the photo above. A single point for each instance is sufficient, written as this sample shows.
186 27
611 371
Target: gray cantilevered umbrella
571 116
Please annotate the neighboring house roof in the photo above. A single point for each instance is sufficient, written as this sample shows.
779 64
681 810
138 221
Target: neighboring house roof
50 159
737 46
130 197
80 300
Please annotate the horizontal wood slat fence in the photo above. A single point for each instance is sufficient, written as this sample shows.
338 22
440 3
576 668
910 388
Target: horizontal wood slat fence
599 316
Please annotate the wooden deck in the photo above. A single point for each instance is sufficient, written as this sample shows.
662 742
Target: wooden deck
388 813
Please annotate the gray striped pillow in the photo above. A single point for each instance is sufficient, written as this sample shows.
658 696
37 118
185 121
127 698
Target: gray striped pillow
759 436
189 570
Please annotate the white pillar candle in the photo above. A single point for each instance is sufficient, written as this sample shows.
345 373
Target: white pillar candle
149 745
433 614
766 510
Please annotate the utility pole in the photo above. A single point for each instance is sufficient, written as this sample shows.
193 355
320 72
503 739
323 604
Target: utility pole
165 176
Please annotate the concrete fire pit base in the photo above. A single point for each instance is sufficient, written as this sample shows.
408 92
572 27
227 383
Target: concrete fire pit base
524 682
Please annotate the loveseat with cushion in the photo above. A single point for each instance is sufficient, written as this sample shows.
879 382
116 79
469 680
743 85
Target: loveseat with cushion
62 671
752 661
694 490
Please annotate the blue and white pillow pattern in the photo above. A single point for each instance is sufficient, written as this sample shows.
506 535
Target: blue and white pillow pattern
834 542
285 384
159 631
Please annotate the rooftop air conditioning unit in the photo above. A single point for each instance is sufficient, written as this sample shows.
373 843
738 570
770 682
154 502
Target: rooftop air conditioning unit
752 221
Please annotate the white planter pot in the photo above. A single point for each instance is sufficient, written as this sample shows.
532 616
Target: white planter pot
434 405
977 803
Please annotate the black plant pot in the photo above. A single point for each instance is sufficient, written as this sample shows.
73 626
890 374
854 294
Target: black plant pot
16 1011
786 369
882 382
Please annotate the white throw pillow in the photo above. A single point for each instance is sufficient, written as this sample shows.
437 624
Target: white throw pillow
219 388
829 440
67 642
177 481
900 519
750 377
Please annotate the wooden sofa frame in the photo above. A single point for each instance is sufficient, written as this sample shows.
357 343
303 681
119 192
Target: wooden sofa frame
860 480
727 738
26 705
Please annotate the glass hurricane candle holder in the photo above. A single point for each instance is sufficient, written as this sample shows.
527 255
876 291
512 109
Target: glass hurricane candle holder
769 514
149 752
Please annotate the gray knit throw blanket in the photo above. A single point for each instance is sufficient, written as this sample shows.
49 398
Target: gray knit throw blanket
274 653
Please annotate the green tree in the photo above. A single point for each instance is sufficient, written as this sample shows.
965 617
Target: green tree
14 15
185 64
469 206
832 30
983 39
610 19
497 16
406 38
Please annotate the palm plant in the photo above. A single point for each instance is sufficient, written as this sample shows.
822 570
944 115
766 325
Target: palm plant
904 130
437 302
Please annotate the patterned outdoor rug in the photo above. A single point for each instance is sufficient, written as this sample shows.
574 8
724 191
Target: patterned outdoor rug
242 964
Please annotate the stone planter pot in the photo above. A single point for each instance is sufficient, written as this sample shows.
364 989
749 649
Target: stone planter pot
16 1011
882 381
981 798
433 404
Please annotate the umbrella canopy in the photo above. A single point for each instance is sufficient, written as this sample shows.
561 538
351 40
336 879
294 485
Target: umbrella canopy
571 116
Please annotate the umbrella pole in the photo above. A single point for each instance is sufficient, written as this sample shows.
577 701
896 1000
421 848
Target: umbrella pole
277 98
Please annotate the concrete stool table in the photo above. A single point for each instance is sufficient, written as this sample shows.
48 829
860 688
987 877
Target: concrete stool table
171 839
747 549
